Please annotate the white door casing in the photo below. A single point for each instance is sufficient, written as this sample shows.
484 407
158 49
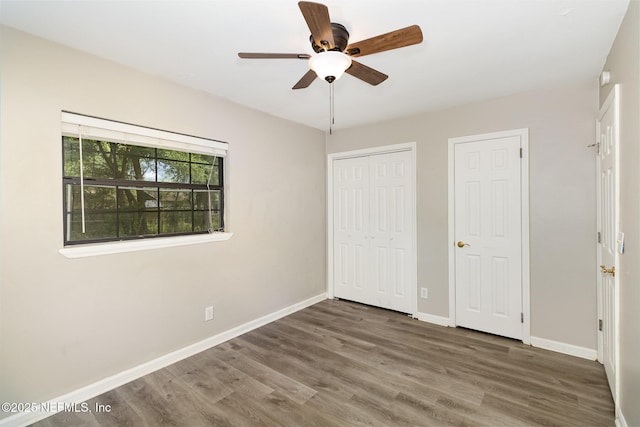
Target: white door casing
608 223
488 201
371 227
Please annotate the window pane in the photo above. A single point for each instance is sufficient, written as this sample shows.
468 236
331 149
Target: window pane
71 156
202 158
201 223
200 174
201 199
100 212
138 224
137 199
172 171
96 198
175 199
201 216
175 222
137 163
97 226
98 159
173 155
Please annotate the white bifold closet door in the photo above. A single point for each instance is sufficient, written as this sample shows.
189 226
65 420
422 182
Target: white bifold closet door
373 230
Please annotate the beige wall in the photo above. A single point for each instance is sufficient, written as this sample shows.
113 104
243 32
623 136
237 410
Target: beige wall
562 198
66 323
623 63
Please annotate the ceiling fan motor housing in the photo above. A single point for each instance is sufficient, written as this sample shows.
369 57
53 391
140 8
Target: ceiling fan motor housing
340 39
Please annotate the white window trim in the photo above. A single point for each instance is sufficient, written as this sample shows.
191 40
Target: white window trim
83 251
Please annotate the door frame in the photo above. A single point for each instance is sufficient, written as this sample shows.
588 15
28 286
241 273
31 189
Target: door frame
408 146
612 101
523 134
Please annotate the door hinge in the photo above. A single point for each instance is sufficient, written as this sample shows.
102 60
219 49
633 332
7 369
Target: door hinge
521 317
600 324
520 152
599 238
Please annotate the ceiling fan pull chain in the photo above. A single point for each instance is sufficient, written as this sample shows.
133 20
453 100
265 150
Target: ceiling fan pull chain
333 105
331 118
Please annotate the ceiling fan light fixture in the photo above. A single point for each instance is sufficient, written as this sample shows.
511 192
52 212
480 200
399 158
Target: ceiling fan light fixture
330 65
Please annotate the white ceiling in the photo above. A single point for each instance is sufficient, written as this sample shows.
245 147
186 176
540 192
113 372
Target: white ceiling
473 49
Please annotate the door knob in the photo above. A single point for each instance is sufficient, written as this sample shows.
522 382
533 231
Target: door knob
462 244
611 271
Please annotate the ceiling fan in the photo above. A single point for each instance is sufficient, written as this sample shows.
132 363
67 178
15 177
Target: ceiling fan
334 53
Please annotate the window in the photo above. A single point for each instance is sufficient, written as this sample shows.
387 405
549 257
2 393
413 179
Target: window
125 182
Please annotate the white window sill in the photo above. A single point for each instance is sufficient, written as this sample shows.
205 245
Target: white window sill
82 251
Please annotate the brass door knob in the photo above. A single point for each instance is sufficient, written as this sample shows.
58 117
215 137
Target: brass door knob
611 271
462 244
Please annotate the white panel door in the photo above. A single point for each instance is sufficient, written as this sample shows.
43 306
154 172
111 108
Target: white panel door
391 232
373 255
608 222
351 227
488 234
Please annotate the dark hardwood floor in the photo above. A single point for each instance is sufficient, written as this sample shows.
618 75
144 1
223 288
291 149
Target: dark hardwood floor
341 364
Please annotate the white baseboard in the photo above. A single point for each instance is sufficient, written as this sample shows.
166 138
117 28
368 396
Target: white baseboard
560 347
432 318
92 390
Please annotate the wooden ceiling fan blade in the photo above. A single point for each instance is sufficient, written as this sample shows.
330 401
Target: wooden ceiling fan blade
306 80
257 55
395 39
366 74
318 21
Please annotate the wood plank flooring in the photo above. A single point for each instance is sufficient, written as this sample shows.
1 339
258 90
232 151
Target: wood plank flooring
344 364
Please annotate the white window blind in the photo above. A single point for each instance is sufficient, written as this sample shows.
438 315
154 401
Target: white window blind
89 127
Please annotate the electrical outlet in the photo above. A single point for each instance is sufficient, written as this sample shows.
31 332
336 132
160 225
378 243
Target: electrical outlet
424 293
208 313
